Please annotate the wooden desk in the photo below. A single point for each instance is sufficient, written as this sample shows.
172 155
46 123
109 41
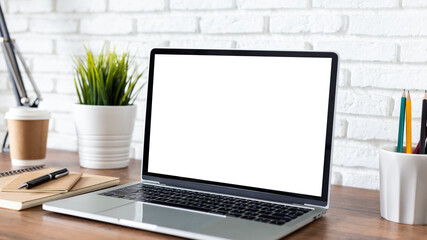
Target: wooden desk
354 214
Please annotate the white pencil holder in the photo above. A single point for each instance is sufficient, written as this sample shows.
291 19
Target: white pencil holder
403 186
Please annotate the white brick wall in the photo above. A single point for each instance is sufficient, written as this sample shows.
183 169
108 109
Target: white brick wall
232 24
52 63
391 77
361 51
414 3
271 4
169 24
30 6
77 47
362 104
17 24
53 25
106 25
272 44
382 45
136 5
305 23
356 4
4 82
35 45
200 4
388 24
81 5
413 52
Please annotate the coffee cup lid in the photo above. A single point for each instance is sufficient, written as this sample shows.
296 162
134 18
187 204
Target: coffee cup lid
26 113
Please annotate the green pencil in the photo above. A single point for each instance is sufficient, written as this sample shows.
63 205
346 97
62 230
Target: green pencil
401 122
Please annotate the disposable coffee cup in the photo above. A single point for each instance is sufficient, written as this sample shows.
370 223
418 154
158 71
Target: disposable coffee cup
28 129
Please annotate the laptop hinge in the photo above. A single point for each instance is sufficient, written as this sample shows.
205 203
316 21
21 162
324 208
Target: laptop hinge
311 205
150 182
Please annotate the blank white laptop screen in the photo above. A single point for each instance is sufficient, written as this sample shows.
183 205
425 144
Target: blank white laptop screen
253 121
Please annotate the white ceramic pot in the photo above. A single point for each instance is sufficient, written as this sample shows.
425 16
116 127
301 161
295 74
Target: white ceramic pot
403 191
104 135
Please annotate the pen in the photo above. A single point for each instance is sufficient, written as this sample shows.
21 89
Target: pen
45 178
401 122
423 125
408 124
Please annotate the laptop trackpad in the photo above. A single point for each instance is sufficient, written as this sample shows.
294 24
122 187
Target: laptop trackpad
161 216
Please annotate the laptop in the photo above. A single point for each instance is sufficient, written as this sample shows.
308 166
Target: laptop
237 145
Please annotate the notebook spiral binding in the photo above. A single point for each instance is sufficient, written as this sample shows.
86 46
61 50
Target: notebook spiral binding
18 171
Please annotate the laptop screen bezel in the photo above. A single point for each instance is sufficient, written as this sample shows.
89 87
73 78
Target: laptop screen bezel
245 191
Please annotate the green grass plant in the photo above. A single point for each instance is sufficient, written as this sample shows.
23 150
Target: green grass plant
106 79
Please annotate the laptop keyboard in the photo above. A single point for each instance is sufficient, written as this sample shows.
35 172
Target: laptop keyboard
211 203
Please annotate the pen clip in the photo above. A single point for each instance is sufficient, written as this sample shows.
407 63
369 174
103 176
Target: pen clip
60 175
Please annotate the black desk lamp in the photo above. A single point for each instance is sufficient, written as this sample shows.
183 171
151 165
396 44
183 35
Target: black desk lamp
10 48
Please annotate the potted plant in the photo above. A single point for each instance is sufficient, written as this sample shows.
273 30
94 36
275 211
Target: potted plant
107 86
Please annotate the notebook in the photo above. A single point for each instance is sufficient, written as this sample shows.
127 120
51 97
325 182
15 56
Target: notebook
22 170
63 184
24 200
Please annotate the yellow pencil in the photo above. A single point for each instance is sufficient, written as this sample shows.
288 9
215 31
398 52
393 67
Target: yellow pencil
408 125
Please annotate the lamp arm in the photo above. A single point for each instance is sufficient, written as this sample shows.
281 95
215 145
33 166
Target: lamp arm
14 71
27 71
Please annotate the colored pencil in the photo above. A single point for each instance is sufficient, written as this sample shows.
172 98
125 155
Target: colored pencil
423 125
401 122
408 124
417 148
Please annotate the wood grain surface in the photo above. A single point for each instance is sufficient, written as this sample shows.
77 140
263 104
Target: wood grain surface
353 214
